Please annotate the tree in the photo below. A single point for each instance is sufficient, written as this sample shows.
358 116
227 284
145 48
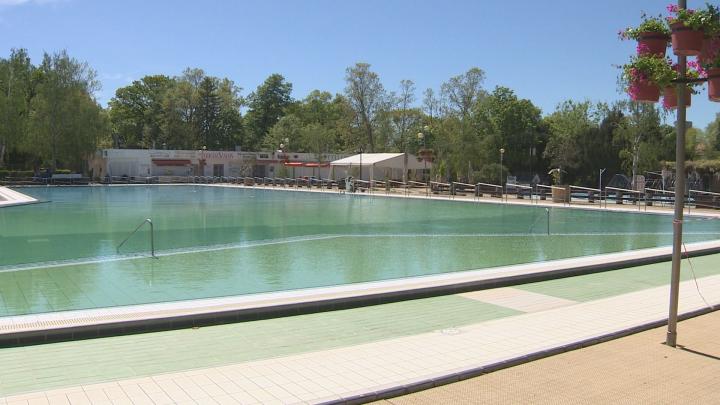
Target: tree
231 129
368 100
136 112
431 104
405 119
66 122
318 139
462 92
208 113
16 89
267 105
639 136
180 109
287 132
504 121
567 124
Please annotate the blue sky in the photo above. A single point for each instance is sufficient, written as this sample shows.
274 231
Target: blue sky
547 51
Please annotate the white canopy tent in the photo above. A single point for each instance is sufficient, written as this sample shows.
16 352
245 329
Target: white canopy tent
393 166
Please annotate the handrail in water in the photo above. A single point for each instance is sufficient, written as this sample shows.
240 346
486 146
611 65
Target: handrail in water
152 237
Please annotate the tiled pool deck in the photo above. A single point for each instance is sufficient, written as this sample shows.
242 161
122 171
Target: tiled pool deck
362 352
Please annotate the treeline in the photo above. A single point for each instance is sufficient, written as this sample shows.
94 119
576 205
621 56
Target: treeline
51 118
48 113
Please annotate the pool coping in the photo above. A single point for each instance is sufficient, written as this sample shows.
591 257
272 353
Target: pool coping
628 208
101 322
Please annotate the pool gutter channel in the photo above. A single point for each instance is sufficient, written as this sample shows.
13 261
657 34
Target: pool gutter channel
90 324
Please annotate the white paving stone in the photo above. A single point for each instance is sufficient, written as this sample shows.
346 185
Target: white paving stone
520 300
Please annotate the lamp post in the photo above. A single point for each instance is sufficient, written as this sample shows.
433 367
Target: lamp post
421 137
600 185
502 152
284 143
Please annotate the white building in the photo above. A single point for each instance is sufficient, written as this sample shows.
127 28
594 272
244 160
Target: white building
153 162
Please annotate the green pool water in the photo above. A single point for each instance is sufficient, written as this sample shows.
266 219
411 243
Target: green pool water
217 241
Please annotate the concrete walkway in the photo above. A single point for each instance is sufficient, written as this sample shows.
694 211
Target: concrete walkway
346 355
637 369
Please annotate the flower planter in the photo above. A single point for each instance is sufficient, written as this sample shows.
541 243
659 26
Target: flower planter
670 100
644 92
685 40
652 43
714 84
709 49
561 194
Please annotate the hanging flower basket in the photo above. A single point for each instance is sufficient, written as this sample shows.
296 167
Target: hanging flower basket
644 91
713 76
670 99
652 35
709 50
652 43
685 40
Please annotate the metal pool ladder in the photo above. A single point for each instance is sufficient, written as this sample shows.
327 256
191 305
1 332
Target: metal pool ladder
152 237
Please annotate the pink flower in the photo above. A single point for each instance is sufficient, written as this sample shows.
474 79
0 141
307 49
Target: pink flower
643 49
672 8
666 103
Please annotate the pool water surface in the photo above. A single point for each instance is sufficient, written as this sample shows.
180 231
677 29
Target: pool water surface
221 241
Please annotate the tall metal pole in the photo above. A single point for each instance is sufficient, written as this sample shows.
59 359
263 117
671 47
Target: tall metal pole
502 152
681 92
600 185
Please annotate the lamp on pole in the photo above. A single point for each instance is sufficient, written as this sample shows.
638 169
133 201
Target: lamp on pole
421 137
502 152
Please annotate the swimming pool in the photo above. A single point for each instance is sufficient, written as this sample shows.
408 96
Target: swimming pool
220 241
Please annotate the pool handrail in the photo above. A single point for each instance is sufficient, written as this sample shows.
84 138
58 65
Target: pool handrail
152 237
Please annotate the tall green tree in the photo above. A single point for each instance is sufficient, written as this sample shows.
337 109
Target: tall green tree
567 126
66 122
639 137
16 90
136 112
267 104
515 125
406 119
369 101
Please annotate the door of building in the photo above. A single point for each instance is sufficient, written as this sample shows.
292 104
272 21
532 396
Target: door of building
218 170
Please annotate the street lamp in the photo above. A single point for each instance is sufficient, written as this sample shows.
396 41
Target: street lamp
421 137
502 152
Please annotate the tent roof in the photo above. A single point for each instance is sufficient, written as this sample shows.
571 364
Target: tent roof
386 160
367 159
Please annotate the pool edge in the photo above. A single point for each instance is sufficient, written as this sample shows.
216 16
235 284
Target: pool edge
93 323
